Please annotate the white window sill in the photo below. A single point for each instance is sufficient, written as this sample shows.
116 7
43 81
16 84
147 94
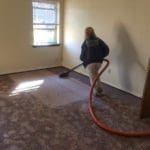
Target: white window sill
40 46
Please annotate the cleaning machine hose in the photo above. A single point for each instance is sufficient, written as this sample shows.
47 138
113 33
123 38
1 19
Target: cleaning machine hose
103 126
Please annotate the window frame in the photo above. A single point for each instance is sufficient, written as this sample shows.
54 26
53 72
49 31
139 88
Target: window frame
56 24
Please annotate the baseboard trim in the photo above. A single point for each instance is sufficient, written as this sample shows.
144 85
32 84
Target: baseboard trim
29 70
79 72
110 84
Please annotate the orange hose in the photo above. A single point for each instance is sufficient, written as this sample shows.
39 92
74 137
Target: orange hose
103 126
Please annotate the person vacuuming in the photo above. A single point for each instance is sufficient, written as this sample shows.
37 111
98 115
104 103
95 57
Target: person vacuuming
93 51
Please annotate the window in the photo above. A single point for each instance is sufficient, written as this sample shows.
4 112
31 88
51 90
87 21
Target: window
45 23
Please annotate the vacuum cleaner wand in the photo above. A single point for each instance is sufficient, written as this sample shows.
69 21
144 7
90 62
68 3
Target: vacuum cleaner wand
66 74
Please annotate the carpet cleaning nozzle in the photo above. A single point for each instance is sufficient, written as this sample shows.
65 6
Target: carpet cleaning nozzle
66 74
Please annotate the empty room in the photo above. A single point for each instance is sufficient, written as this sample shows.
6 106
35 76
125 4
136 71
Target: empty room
74 75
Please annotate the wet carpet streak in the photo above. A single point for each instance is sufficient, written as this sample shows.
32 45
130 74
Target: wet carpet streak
39 111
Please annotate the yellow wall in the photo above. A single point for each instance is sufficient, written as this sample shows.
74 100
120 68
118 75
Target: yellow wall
16 52
124 25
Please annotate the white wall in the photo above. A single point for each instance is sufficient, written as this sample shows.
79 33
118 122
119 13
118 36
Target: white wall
124 25
16 52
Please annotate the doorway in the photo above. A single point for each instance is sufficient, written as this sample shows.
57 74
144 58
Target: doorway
145 111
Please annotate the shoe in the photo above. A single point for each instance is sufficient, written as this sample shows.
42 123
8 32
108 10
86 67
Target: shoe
99 91
98 94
